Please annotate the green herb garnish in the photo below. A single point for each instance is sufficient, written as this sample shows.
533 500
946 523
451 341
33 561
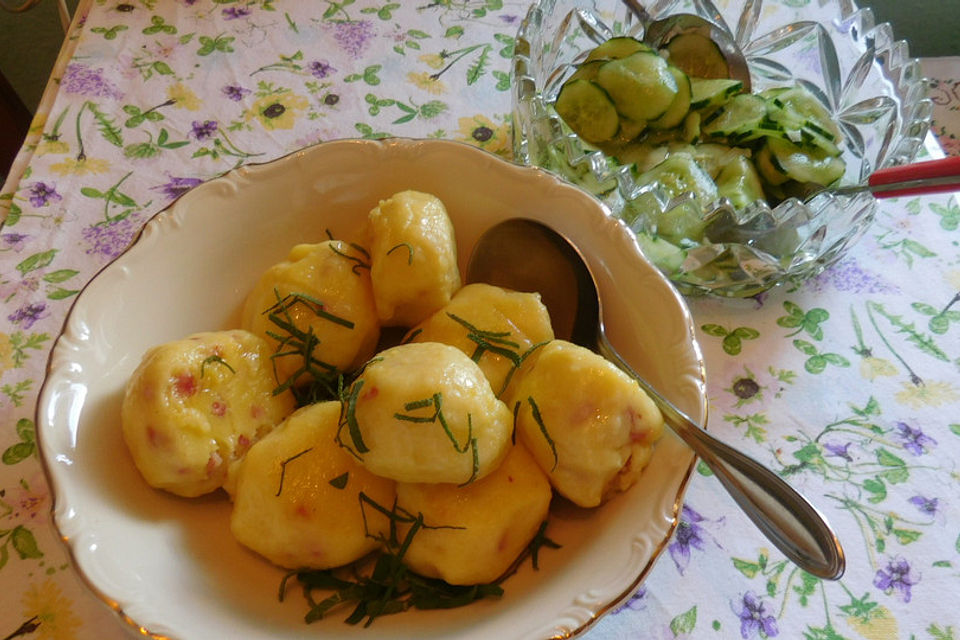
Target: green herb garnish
409 249
340 481
215 359
292 341
283 468
358 264
535 410
436 401
389 586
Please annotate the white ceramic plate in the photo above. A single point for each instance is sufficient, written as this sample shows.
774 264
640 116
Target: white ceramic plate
170 566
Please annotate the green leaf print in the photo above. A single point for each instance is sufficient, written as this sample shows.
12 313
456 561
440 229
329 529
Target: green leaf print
369 75
949 215
158 25
37 261
209 45
808 322
111 33
478 68
685 622
732 340
24 543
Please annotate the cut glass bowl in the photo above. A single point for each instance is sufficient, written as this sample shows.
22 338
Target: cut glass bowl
867 80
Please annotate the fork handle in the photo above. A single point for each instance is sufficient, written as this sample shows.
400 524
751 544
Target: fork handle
918 178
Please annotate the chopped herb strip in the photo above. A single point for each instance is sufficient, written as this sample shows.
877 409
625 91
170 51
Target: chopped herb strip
436 401
410 337
409 249
543 429
348 418
215 359
358 264
494 341
283 468
321 376
316 306
340 481
389 586
516 367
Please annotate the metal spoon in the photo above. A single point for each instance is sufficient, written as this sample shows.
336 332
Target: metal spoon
526 255
657 33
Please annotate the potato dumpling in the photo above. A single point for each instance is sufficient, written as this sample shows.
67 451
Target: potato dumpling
297 495
496 518
322 289
494 326
195 405
588 424
413 257
424 412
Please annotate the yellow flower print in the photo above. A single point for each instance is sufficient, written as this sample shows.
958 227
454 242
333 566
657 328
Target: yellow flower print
480 131
433 60
47 604
953 278
872 368
183 97
278 110
80 166
875 624
52 146
927 394
427 82
6 353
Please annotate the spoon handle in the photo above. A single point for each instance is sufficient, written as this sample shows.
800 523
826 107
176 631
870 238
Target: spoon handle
779 511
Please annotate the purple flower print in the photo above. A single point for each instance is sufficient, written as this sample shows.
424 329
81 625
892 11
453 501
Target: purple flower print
896 578
41 194
204 130
634 602
176 187
111 239
847 275
838 450
753 618
26 315
235 92
926 505
321 69
509 19
914 440
232 13
687 535
81 79
352 36
13 241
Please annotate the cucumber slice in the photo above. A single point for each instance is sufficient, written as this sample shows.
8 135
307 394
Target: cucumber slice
713 157
586 71
680 106
739 182
629 130
697 55
768 168
643 156
588 110
640 85
742 113
805 165
680 174
799 104
615 48
706 93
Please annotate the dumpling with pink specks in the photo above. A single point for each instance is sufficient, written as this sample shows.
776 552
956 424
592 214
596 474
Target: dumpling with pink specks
194 406
413 257
590 427
303 501
316 310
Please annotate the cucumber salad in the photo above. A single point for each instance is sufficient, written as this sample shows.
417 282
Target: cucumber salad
678 118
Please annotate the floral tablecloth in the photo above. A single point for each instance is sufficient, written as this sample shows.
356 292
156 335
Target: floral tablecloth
848 385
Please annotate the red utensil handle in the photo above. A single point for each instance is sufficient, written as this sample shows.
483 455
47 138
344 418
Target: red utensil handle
920 174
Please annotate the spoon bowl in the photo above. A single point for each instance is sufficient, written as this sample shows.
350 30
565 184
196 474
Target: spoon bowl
526 255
